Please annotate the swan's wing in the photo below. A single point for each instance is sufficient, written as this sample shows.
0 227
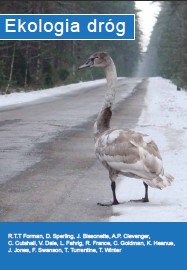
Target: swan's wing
129 152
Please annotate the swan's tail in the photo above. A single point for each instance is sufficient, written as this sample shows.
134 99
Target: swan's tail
160 181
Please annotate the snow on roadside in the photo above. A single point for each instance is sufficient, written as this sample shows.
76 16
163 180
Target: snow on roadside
23 97
164 119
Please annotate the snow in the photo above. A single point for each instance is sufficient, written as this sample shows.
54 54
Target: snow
24 97
164 119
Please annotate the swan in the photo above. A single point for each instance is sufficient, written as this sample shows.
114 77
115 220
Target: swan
123 151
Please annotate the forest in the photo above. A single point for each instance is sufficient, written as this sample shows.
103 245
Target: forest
26 65
167 51
31 65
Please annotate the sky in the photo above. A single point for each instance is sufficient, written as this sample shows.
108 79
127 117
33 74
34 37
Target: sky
148 12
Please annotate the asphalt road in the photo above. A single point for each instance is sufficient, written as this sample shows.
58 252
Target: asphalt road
48 168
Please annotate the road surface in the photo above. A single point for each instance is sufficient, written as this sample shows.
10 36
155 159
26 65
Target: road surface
49 171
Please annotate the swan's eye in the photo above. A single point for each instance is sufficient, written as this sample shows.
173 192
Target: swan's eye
93 58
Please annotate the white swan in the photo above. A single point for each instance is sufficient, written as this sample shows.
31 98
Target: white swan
123 151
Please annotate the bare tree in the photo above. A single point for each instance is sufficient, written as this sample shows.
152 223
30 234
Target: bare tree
11 68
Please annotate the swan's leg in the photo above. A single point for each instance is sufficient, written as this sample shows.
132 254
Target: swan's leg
113 175
145 199
115 201
113 187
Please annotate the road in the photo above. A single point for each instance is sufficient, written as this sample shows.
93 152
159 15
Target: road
48 167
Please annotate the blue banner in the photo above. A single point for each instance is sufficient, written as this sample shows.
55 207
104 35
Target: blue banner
90 245
67 27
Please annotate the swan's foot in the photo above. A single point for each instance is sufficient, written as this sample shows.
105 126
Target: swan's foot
145 199
108 203
141 200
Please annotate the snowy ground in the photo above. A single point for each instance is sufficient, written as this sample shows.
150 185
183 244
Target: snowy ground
164 119
22 97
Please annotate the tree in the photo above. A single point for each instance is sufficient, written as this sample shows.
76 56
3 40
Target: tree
167 51
40 64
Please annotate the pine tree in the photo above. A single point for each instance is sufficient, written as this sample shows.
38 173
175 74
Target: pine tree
45 63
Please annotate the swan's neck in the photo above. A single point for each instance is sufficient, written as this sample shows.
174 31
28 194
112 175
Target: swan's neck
111 77
103 119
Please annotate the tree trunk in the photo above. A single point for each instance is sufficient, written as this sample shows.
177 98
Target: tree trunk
73 67
38 63
11 69
26 68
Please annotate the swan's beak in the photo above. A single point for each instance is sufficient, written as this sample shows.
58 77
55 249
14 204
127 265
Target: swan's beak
88 63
